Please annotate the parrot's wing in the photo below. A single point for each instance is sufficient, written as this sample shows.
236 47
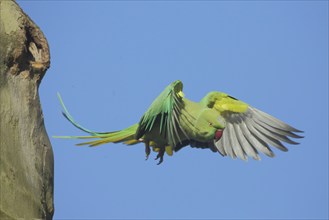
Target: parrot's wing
249 130
163 114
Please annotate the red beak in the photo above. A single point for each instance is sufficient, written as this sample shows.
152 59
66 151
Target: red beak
218 135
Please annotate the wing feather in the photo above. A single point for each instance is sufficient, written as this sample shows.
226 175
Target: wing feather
237 149
163 113
220 147
227 145
258 144
274 132
274 121
259 119
248 130
266 135
244 143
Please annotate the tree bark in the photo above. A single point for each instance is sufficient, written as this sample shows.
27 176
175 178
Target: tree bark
26 157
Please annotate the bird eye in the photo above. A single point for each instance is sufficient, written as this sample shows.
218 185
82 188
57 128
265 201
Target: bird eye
210 124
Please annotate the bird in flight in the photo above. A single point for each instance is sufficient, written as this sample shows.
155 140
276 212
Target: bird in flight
218 122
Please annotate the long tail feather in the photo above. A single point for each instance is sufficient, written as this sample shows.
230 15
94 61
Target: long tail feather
68 116
126 135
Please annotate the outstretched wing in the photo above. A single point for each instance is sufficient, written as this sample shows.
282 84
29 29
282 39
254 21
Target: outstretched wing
163 114
249 130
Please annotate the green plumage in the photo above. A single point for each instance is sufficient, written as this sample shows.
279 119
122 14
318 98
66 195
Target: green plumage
162 115
218 122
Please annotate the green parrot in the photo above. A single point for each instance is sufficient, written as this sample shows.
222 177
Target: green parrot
218 122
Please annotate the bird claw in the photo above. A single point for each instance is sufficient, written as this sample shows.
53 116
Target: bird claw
160 156
147 150
160 161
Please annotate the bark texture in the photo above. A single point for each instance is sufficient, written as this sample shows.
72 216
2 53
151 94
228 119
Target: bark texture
26 157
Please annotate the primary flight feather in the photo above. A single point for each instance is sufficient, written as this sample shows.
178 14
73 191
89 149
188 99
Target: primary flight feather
218 122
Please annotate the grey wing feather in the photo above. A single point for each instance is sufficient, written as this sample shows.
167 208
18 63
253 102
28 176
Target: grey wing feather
255 142
237 149
228 145
220 147
244 143
254 131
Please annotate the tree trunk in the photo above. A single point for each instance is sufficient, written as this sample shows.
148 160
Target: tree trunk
26 157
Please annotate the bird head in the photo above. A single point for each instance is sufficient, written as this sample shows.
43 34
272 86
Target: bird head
208 122
213 119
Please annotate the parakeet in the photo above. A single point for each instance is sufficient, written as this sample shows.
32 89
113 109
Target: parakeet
218 122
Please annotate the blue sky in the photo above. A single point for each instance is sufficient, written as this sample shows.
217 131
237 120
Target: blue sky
110 59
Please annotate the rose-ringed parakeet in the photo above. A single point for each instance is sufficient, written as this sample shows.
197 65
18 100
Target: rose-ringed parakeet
218 122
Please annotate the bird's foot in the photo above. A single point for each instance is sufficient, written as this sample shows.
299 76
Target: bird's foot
160 156
147 149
